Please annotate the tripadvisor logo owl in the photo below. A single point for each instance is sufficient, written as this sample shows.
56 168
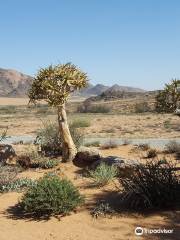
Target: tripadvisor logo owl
139 231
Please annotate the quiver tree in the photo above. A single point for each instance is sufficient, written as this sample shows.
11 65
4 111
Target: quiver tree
54 84
168 100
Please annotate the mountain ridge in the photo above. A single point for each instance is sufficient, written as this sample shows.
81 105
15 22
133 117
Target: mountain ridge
16 84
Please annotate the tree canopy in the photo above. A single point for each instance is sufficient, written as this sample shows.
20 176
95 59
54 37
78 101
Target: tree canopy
55 83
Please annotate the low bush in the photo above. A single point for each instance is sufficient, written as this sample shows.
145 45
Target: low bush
51 196
88 107
80 123
103 174
144 146
142 107
152 186
172 147
93 144
102 209
49 139
109 144
126 142
32 159
151 153
17 185
99 109
3 135
8 174
48 163
77 136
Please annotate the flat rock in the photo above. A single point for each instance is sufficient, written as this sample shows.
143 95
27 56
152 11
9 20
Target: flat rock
86 156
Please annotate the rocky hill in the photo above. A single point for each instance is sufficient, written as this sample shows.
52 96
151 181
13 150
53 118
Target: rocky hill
14 83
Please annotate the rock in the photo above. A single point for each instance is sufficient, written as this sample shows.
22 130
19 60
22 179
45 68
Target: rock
86 156
6 152
125 166
24 161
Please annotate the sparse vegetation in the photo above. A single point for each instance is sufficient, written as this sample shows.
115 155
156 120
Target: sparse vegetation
152 186
172 147
103 174
88 107
47 163
49 139
17 185
51 196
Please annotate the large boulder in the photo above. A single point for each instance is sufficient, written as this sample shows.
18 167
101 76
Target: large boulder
7 153
86 156
125 166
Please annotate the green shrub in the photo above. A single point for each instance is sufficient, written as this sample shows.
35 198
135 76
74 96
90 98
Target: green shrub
49 139
152 153
51 196
167 124
103 174
48 163
80 123
36 160
151 186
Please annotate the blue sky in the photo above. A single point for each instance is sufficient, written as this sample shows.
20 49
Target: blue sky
128 42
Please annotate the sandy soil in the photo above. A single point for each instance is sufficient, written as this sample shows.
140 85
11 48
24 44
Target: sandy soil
101 125
80 225
13 101
4 101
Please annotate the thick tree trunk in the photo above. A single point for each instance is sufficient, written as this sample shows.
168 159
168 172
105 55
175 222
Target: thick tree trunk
68 147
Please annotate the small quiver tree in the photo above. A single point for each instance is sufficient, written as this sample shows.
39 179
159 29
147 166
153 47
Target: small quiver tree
54 84
168 99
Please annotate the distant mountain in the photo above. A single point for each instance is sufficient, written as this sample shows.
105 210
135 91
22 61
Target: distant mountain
119 88
92 90
14 83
